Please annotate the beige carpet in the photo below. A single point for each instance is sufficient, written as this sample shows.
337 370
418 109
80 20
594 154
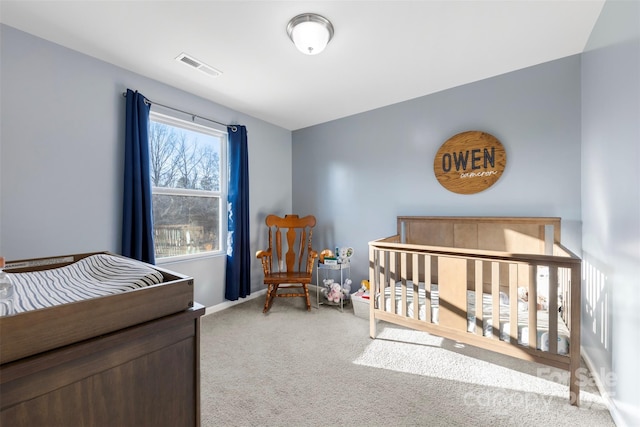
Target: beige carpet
320 368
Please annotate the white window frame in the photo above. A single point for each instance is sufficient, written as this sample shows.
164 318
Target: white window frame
222 194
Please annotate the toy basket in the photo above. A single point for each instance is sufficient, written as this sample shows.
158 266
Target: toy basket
360 305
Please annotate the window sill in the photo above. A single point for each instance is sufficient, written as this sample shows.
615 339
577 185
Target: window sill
188 258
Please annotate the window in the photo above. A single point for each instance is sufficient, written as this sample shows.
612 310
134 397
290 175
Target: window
187 163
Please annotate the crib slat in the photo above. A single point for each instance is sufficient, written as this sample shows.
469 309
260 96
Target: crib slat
452 288
495 300
427 288
379 279
568 294
553 309
403 280
479 312
393 268
415 274
574 344
384 278
374 287
513 303
533 307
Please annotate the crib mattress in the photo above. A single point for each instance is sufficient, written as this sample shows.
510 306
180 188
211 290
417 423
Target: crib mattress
91 277
487 322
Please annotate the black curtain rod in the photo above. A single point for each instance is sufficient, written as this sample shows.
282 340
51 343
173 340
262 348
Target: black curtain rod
193 116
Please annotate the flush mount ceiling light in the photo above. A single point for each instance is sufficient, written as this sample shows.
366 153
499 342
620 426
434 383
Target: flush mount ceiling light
310 32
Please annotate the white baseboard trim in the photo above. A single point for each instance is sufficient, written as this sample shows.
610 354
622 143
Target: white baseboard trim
595 372
224 305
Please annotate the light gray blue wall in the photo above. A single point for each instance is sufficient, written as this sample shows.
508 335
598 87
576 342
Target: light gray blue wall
357 174
61 156
611 205
572 151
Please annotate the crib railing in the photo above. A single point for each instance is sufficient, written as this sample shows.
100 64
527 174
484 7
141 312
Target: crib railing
456 271
402 271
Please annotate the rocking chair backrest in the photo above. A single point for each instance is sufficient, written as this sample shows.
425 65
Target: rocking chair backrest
298 234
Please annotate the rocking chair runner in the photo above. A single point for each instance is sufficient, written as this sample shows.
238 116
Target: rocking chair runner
295 269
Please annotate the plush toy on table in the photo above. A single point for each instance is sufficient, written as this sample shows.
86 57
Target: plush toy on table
344 254
335 293
346 288
333 290
327 284
325 253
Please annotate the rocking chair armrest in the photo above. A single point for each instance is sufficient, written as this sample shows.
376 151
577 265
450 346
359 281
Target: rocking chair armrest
310 260
265 260
263 254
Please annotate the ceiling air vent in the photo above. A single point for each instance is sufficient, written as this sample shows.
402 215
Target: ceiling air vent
201 66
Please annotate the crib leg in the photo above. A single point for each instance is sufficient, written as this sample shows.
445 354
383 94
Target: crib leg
372 325
574 382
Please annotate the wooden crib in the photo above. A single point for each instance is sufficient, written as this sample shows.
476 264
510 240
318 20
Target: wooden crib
509 266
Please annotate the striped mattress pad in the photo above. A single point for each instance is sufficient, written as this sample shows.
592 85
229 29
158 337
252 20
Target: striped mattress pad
542 324
91 277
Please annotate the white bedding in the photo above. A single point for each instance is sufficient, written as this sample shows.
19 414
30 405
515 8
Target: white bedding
487 322
91 277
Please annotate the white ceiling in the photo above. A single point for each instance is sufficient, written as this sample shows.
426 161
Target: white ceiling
383 52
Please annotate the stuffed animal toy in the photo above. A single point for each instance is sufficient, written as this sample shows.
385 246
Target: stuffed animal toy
364 285
331 290
334 293
325 253
344 254
346 288
523 300
327 285
523 294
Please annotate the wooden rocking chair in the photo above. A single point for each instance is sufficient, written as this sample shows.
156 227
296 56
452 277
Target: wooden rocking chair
295 269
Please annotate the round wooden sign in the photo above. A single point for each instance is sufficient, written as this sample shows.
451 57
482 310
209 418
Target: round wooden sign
470 162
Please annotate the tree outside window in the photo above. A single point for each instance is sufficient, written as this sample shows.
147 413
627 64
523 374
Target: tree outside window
187 190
